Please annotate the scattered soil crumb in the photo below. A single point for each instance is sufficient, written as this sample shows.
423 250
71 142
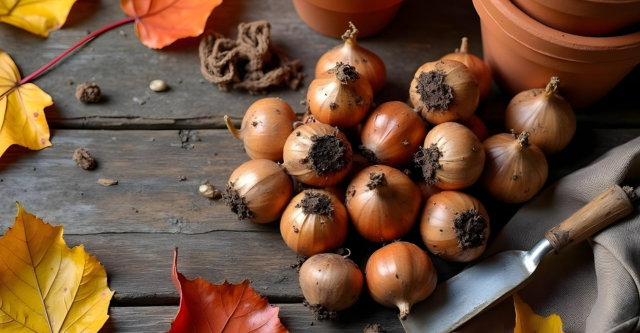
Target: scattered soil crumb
238 204
250 62
182 178
374 328
88 92
140 101
469 226
208 191
317 203
34 169
152 139
428 160
122 33
629 191
83 159
107 182
327 154
369 154
188 137
320 312
434 93
298 263
376 180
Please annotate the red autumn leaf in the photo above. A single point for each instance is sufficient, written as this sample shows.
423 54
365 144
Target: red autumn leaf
162 22
225 308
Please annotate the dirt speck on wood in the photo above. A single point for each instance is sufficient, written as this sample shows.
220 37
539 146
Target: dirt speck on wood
88 92
83 159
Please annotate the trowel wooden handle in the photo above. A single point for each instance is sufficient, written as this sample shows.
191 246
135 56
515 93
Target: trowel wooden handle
606 208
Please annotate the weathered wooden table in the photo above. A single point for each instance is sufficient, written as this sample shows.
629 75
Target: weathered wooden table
133 227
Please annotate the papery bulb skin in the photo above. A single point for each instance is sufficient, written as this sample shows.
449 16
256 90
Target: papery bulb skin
478 68
265 128
340 97
400 275
331 281
444 91
545 114
367 63
455 226
258 190
515 169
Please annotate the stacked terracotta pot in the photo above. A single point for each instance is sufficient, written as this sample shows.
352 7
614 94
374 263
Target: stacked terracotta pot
590 45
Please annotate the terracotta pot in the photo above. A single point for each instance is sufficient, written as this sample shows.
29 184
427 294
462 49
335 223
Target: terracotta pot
523 54
331 17
583 17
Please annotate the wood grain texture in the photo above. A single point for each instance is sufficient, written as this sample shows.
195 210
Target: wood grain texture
295 317
608 207
149 198
104 60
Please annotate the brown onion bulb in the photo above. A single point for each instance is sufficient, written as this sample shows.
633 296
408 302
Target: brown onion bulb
477 126
265 127
367 63
400 275
383 203
444 90
545 114
258 190
340 97
452 157
455 226
314 222
426 190
480 70
330 282
515 170
392 134
317 154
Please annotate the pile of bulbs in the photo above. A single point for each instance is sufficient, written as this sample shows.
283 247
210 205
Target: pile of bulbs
315 158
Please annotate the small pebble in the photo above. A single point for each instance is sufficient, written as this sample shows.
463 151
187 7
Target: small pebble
107 182
122 33
158 85
139 101
88 92
182 178
34 169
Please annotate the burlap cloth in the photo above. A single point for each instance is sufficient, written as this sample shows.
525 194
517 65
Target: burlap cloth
594 286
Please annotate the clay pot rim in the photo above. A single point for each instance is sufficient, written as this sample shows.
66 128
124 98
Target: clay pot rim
616 48
354 6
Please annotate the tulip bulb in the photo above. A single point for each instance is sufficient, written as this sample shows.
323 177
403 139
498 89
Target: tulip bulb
265 127
258 190
443 91
515 170
330 283
455 226
400 275
452 157
545 114
478 68
367 63
314 222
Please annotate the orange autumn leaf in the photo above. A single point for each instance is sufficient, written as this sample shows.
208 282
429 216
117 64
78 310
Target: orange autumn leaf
225 308
529 322
22 119
46 287
162 22
36 16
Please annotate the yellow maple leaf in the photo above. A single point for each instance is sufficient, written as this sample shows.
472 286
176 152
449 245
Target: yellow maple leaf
44 285
22 119
36 16
529 322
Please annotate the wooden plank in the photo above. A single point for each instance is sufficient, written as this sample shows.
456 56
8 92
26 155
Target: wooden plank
123 67
295 317
149 197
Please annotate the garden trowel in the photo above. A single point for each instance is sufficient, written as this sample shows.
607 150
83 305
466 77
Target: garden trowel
488 282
